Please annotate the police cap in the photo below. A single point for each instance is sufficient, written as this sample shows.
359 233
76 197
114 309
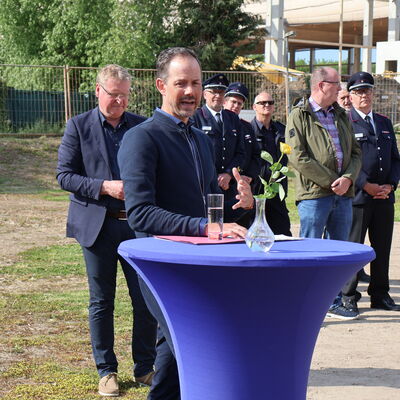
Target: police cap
217 81
237 89
360 80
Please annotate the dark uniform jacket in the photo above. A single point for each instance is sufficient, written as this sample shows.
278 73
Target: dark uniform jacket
252 161
83 165
228 143
265 172
380 155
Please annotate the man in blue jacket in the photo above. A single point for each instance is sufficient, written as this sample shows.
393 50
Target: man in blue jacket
167 181
88 168
373 204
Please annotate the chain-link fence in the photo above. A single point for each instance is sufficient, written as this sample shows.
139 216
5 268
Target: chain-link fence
39 99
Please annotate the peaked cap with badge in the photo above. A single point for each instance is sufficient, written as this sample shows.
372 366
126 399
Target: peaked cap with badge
237 89
360 80
217 81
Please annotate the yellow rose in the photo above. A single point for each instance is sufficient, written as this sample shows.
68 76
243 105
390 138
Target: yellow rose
285 148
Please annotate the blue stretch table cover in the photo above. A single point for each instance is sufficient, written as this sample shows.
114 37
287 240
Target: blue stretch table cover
244 324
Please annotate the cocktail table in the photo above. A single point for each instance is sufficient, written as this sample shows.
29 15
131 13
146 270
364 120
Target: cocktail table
244 324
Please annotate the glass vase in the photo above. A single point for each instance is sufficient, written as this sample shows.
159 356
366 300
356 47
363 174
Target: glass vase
260 237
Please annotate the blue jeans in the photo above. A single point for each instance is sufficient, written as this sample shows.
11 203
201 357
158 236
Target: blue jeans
328 217
101 267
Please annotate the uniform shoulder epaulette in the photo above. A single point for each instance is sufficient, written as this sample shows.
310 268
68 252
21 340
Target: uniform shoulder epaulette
278 123
381 115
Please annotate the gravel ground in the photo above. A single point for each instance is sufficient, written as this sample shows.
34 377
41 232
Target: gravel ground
352 360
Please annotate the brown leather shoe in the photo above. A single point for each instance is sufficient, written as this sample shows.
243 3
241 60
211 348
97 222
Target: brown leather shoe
108 385
145 380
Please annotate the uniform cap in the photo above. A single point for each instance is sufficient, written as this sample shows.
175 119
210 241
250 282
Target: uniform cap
217 81
237 89
360 80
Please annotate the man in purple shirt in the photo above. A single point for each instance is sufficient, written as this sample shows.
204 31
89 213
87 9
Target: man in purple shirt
327 160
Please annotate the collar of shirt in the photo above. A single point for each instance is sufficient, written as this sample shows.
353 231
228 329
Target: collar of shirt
103 120
370 115
362 115
316 107
214 113
173 118
261 125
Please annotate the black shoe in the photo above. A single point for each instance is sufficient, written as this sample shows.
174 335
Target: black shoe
362 276
385 303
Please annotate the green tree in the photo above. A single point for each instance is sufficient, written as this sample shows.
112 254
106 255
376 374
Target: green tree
54 32
140 30
218 30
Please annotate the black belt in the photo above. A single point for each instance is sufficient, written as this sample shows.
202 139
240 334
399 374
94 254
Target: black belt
121 215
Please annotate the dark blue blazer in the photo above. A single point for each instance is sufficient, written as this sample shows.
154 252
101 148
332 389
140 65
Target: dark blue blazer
83 165
228 143
163 194
380 155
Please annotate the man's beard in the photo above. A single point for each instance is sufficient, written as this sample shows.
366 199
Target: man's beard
183 113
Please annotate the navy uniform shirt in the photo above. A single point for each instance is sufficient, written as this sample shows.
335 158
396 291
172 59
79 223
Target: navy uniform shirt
380 155
228 142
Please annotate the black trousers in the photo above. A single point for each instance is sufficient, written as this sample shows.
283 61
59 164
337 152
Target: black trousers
277 216
101 267
376 217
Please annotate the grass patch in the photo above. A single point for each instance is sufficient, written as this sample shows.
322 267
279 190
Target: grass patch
55 195
46 343
290 203
50 261
28 165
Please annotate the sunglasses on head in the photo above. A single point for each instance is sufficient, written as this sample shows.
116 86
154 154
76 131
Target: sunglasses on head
265 102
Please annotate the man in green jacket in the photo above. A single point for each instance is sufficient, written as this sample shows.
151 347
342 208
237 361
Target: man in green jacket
327 159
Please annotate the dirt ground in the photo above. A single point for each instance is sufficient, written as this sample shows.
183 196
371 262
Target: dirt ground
352 360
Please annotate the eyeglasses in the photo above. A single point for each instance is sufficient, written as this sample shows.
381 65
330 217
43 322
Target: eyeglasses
216 92
333 82
361 92
266 102
121 96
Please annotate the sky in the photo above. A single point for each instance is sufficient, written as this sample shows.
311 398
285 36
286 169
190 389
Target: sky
327 54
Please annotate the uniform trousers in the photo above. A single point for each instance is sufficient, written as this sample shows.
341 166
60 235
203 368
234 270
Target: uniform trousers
376 217
276 214
101 267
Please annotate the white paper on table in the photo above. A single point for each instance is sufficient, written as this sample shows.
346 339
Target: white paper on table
281 238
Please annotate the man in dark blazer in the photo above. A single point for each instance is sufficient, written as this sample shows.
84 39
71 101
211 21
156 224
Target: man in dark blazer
88 168
224 130
269 134
373 204
167 182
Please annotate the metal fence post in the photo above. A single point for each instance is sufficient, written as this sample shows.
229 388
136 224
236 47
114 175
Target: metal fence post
67 94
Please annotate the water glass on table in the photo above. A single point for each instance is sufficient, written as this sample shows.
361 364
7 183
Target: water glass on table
215 213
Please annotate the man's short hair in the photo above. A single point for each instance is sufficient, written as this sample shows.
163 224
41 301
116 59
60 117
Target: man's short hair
167 55
319 75
259 93
113 71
